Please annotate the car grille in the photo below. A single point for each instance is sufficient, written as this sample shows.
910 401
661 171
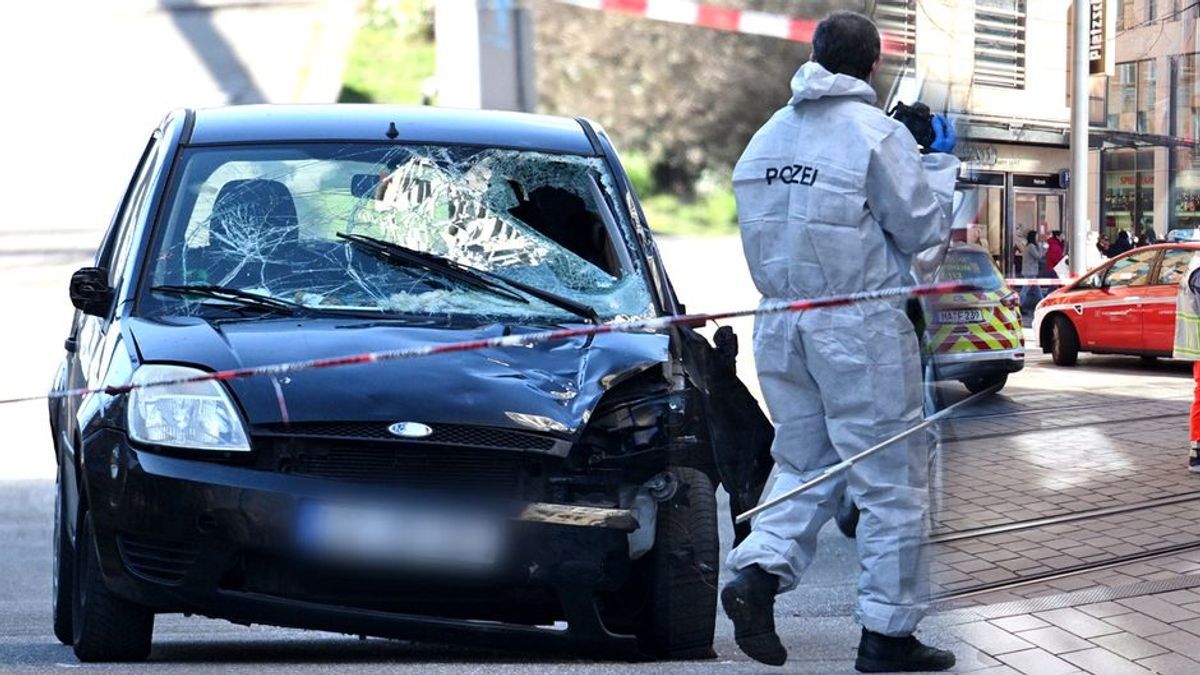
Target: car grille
419 466
443 434
157 559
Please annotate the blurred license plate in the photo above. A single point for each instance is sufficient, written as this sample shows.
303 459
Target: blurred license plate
960 316
377 533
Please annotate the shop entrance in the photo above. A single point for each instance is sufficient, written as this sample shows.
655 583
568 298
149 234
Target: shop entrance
1007 206
1037 206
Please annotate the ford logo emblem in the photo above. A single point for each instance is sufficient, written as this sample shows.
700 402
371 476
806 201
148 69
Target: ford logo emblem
410 430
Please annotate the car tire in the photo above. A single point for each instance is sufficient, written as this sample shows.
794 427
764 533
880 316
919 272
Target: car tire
1149 359
683 608
1064 342
105 627
978 384
63 570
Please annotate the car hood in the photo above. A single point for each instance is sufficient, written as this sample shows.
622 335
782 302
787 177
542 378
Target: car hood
562 381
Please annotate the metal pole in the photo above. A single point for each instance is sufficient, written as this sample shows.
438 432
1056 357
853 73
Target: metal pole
1079 139
847 463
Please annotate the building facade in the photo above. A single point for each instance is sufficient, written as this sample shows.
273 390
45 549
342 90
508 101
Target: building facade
1145 118
1000 68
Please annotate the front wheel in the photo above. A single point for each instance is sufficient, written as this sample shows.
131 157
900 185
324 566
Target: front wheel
106 627
684 561
982 382
63 579
1064 342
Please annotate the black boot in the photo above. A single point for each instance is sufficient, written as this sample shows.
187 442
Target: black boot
882 654
749 601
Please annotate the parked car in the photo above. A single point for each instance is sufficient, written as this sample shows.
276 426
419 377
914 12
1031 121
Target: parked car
1124 306
479 496
974 338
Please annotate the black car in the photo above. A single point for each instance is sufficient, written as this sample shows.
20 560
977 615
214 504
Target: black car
558 494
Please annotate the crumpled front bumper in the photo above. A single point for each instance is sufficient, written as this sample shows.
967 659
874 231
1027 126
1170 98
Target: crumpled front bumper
189 535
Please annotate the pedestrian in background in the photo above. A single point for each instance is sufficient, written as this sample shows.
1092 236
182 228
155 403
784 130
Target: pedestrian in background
1121 245
1032 259
833 197
1187 347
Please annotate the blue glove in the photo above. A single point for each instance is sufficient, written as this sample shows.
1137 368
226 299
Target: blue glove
943 135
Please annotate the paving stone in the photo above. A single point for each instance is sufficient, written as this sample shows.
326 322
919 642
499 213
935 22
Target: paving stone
1139 624
1054 640
1129 646
990 639
1097 660
1077 622
1171 664
1179 641
1158 608
1102 610
1015 624
1037 662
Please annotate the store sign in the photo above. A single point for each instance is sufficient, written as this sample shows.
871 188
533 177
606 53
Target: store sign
1096 40
982 155
1129 180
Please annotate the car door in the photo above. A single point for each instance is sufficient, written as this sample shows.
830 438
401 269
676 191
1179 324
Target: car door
1115 323
1158 307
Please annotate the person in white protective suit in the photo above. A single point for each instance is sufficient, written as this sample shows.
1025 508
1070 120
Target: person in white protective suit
834 197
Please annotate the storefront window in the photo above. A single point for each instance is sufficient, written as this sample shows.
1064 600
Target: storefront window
1150 116
1187 190
1128 191
1122 98
1187 97
986 227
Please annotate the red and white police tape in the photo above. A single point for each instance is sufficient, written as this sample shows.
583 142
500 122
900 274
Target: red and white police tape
639 325
1039 282
721 18
708 16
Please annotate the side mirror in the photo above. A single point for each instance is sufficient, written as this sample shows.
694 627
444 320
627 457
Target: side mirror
90 292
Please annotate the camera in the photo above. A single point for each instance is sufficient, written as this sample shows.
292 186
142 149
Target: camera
919 120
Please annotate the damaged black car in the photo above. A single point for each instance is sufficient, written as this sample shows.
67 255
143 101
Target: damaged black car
556 495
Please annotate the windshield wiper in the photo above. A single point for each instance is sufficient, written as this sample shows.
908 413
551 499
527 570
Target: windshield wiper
237 296
470 276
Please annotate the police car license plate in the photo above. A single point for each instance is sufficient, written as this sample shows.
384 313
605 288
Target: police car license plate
391 534
960 316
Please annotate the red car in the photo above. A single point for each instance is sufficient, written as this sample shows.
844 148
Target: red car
1125 306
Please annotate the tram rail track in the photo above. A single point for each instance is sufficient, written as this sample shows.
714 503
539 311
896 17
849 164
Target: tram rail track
1091 514
1074 570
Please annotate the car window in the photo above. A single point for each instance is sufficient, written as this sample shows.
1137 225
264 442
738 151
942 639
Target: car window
135 212
972 266
267 219
108 246
1133 270
1174 264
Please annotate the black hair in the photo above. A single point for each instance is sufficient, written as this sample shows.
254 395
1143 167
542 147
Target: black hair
1031 236
847 43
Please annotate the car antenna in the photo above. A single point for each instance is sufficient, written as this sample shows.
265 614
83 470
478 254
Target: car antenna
392 131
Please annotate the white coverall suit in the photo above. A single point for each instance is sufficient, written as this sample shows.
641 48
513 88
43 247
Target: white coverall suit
834 197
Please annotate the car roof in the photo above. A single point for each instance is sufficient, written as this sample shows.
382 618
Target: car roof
369 122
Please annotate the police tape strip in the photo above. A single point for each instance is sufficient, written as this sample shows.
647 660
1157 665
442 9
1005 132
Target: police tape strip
708 16
1038 282
727 19
640 325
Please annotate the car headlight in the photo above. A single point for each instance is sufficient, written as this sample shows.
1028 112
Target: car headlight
195 415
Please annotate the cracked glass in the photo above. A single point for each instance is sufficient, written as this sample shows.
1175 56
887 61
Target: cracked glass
266 220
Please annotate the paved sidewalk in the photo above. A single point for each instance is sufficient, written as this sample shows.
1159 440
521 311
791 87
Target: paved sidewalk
1133 632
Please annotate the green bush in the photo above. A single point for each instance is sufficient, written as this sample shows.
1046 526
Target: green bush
393 54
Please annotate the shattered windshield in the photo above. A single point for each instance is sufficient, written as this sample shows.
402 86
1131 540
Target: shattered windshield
279 222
